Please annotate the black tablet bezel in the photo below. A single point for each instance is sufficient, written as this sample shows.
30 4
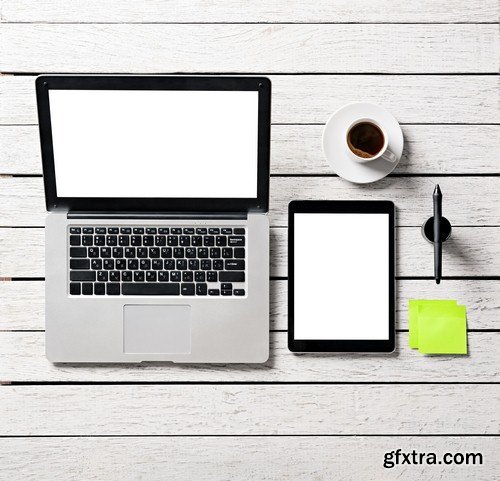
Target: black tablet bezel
260 203
339 345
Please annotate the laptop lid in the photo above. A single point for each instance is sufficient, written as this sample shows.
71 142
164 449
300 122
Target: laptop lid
155 144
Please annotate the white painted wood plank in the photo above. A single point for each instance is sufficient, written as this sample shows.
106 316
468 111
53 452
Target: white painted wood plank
234 48
469 252
307 11
24 202
22 359
313 98
243 410
22 303
297 149
266 458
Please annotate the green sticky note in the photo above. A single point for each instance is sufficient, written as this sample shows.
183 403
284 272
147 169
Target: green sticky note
442 330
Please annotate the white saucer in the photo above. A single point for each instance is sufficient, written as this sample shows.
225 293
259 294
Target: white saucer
335 146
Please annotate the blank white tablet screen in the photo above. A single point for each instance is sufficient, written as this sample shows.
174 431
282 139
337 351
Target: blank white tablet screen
155 143
341 276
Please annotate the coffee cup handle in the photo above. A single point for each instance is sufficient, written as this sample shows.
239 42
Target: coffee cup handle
389 156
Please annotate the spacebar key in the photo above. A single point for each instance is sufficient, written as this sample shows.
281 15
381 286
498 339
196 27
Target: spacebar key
160 289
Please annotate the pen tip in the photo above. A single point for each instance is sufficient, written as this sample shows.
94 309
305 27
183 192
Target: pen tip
437 189
438 281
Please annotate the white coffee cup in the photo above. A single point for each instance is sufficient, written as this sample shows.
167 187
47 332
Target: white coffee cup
367 140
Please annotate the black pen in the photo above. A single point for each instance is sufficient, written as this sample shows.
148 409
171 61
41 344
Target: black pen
437 198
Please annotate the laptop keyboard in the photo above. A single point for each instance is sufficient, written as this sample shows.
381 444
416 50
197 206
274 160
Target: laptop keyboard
156 261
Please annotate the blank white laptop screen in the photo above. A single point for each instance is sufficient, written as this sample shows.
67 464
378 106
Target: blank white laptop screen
136 143
341 276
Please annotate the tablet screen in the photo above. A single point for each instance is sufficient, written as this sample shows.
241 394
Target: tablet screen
341 276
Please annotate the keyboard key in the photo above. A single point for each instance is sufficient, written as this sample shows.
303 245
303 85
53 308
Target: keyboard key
99 240
211 276
227 253
239 252
226 231
215 252
163 276
169 264
75 240
214 230
227 292
157 289
239 231
160 240
136 240
102 276
176 230
87 240
117 252
206 264
126 276
194 264
172 240
226 285
79 264
75 288
138 276
178 252
187 276
148 240
181 264
113 230
78 252
87 288
114 276
96 264
235 265
99 288
125 230
220 241
190 252
121 264
108 264
199 276
184 240
151 230
157 264
133 264
93 251
75 230
100 230
239 292
142 252
232 276
163 230
154 252
213 292
188 230
82 276
196 240
175 276
217 264
129 252
113 289
150 276
208 240
187 289
201 289
105 252
138 230
234 241
202 252
88 230
145 264
166 252
124 240
201 230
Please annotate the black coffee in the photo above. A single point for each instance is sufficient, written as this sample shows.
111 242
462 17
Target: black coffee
365 140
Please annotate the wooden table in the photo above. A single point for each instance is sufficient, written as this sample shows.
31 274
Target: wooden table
434 65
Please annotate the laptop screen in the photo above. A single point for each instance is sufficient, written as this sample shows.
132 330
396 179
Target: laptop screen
155 143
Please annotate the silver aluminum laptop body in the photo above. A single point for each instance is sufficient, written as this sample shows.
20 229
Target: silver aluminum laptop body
134 328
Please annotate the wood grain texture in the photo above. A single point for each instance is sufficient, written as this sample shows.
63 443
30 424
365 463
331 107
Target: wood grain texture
236 48
287 458
22 359
307 11
482 299
300 99
244 410
24 199
469 252
297 149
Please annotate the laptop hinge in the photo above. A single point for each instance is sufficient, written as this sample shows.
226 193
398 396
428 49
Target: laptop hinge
157 215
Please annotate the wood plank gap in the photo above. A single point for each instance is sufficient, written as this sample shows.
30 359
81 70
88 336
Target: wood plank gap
308 435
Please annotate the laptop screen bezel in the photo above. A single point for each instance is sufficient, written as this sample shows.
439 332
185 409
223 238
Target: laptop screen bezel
155 204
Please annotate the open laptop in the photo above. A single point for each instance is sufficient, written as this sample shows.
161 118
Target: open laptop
157 234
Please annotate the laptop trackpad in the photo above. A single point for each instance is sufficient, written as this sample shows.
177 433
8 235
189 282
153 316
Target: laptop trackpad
156 329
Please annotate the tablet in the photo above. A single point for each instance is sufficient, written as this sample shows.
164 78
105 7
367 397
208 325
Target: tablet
341 276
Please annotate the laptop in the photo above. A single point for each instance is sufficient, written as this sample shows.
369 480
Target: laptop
157 233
